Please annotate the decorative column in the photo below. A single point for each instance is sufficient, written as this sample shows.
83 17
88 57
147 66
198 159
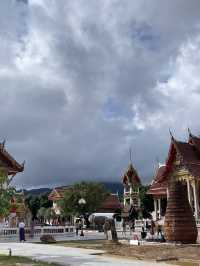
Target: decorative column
159 208
189 191
167 193
155 207
124 196
131 192
196 204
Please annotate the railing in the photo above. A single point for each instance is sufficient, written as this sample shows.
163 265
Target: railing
118 226
138 225
39 230
198 222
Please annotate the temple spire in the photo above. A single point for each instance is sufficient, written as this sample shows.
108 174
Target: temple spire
130 155
170 132
189 132
157 162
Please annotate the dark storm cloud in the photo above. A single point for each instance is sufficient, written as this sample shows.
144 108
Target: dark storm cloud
81 82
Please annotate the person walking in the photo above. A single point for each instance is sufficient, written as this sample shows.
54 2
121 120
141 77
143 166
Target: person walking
22 231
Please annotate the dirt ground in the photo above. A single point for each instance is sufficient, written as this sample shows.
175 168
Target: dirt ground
161 252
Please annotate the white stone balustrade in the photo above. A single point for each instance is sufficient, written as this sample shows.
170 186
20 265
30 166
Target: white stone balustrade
38 231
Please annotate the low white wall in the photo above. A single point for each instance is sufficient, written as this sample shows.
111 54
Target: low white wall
38 231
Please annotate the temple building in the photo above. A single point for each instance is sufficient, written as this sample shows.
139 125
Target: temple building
9 167
182 164
158 190
131 183
111 204
56 195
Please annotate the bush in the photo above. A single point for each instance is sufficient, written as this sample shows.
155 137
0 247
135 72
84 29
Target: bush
47 239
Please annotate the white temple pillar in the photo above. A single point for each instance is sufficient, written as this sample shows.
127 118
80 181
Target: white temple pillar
155 208
189 191
167 193
196 203
124 196
159 208
131 191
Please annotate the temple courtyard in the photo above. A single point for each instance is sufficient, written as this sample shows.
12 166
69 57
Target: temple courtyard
94 250
69 256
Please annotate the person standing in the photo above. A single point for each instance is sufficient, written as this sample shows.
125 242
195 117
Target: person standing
22 231
81 227
77 227
124 227
152 228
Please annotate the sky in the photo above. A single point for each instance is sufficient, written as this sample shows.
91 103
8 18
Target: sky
82 82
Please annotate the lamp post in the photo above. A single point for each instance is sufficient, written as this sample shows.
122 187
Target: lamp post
82 203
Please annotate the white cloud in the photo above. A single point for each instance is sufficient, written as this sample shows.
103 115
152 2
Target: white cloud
62 63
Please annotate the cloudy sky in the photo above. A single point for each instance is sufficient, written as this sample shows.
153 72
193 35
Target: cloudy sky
82 81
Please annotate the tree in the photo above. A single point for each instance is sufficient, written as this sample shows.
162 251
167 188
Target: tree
93 193
36 202
5 201
6 194
41 214
3 178
33 204
147 204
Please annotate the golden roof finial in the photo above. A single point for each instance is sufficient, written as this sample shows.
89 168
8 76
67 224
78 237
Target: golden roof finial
130 155
189 132
3 144
171 134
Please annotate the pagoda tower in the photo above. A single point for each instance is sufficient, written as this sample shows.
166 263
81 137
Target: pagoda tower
131 183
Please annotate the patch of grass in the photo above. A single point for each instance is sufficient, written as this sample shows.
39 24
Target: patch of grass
89 244
21 261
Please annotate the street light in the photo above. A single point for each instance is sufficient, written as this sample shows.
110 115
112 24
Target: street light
82 202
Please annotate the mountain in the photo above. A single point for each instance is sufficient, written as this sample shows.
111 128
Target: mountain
114 187
37 191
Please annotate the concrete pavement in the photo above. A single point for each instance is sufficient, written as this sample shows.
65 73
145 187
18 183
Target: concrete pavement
69 256
88 235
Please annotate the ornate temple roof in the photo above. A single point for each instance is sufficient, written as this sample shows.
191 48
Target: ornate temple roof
58 193
111 204
189 154
158 186
7 161
131 176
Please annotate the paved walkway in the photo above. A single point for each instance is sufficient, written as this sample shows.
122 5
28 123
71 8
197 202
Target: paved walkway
68 256
89 235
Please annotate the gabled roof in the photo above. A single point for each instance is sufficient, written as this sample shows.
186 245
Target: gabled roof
58 193
190 157
111 204
194 140
158 186
131 176
7 161
189 153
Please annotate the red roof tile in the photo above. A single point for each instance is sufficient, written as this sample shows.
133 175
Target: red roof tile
195 141
58 193
158 187
111 204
